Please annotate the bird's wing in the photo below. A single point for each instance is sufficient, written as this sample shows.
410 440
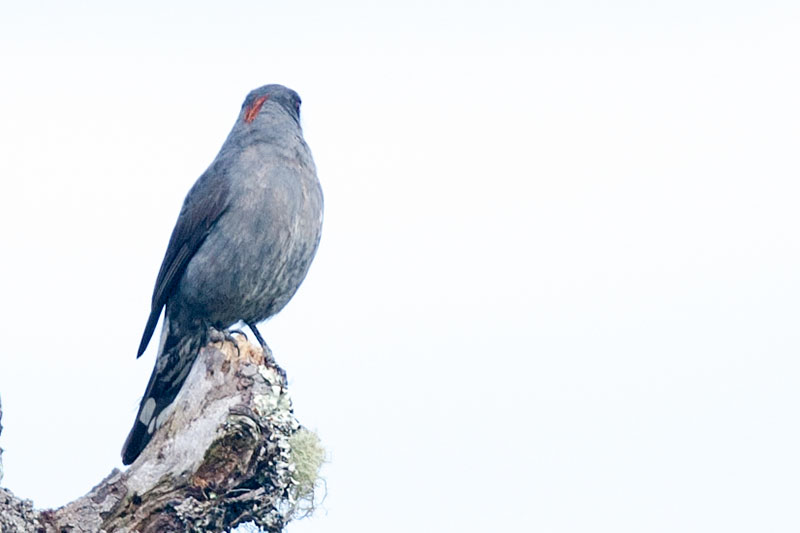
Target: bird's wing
205 203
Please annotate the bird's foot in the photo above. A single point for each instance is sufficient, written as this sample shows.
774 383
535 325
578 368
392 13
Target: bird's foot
216 335
269 362
229 334
269 359
280 371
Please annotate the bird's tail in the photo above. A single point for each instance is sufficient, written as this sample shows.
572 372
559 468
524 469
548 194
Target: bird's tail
176 355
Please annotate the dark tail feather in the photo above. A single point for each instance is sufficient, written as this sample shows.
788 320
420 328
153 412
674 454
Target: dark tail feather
173 364
149 328
157 397
135 443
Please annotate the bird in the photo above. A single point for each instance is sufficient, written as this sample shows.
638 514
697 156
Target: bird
244 240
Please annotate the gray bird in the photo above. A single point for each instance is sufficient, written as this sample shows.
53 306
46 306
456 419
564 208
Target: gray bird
243 243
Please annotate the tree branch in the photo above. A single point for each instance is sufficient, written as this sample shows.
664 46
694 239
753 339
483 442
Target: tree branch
231 451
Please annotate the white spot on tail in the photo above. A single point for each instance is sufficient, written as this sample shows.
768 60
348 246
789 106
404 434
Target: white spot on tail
147 411
162 417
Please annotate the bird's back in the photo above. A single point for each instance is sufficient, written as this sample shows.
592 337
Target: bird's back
253 262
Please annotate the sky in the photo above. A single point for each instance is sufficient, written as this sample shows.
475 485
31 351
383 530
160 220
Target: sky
558 283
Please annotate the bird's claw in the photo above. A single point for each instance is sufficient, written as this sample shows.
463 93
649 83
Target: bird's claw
225 335
269 362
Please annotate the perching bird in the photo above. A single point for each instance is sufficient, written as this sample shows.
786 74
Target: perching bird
243 243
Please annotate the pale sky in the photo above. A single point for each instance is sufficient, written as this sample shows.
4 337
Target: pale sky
558 283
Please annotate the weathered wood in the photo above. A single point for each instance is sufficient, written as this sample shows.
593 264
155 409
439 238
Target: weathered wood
224 456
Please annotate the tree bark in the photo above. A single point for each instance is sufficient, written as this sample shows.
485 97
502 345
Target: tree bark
231 451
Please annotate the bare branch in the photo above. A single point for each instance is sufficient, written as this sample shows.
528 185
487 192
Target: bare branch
227 454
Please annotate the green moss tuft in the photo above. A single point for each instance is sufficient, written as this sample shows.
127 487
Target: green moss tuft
307 456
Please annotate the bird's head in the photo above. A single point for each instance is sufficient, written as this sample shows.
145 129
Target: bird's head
270 97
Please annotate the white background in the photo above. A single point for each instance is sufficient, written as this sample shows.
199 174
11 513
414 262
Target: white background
558 282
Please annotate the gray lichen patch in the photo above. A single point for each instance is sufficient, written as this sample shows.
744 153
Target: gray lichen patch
273 402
